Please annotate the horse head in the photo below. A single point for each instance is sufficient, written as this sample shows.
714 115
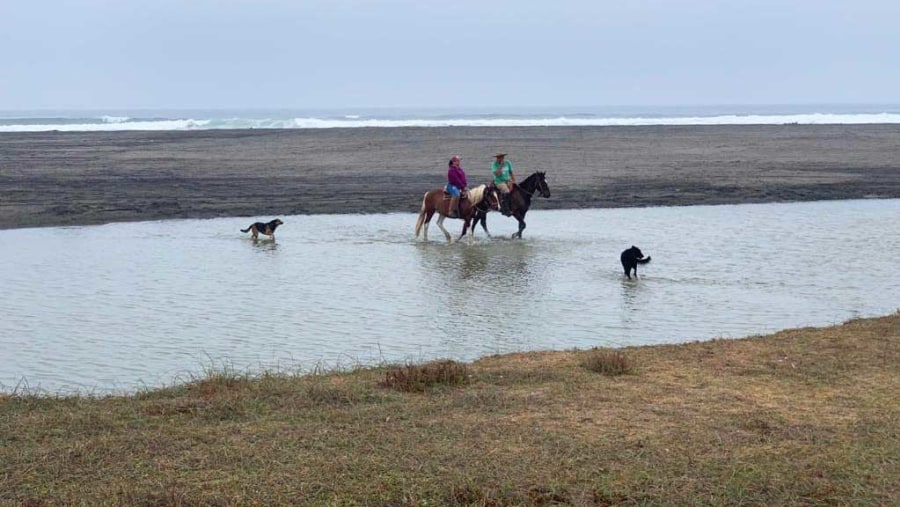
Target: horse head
485 197
542 186
493 197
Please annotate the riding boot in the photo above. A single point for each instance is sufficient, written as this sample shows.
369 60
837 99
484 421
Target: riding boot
453 212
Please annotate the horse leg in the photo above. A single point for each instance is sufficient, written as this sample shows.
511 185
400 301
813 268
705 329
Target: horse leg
424 217
428 215
440 224
466 225
464 229
521 227
483 219
420 222
470 214
467 218
477 216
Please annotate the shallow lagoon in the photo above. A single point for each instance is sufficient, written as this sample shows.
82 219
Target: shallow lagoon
124 306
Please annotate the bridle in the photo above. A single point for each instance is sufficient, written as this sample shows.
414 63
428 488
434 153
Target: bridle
495 195
484 204
540 184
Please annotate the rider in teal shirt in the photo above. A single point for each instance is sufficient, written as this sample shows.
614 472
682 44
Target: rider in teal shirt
504 180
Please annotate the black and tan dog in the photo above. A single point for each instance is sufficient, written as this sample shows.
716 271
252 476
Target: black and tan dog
630 258
263 228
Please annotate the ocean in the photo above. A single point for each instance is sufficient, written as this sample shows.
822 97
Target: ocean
200 119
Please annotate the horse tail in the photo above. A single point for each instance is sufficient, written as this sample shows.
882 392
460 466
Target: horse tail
421 219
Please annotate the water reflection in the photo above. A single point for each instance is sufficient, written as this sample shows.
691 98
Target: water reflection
635 298
485 273
265 245
630 293
117 305
521 270
475 263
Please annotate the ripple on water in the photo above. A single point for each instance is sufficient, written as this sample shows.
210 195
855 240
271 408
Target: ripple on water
125 305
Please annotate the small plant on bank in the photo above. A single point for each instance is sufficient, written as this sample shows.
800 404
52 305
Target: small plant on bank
420 378
607 362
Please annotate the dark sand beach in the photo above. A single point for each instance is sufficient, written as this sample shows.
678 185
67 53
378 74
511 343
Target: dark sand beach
59 178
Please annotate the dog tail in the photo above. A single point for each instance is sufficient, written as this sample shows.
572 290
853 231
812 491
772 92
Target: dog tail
645 260
247 229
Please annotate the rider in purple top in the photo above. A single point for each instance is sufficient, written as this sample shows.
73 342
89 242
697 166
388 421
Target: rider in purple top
456 182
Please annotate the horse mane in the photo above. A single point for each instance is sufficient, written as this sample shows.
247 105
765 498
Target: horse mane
476 194
531 179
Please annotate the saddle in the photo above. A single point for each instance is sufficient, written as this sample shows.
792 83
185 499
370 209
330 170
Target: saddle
463 194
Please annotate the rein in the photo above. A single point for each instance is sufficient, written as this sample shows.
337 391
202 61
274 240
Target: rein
483 205
530 194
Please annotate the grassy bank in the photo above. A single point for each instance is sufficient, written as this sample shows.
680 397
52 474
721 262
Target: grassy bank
801 417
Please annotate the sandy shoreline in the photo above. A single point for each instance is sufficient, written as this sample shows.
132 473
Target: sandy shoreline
54 178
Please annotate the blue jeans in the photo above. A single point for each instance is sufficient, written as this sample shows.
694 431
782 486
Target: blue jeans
453 190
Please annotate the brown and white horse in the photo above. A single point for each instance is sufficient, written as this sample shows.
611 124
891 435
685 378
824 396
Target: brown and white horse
438 201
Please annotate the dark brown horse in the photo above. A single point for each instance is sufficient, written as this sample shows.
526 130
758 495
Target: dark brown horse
438 201
519 202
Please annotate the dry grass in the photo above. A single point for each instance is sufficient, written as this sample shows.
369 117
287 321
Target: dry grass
414 378
802 417
607 362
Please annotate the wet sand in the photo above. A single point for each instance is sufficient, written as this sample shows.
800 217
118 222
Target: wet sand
57 178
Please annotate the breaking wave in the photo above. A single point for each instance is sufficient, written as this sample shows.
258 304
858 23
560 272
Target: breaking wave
194 120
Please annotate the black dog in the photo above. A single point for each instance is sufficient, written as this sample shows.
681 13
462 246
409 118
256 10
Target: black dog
268 228
631 258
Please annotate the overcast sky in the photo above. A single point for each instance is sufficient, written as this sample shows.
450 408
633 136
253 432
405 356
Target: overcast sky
96 54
